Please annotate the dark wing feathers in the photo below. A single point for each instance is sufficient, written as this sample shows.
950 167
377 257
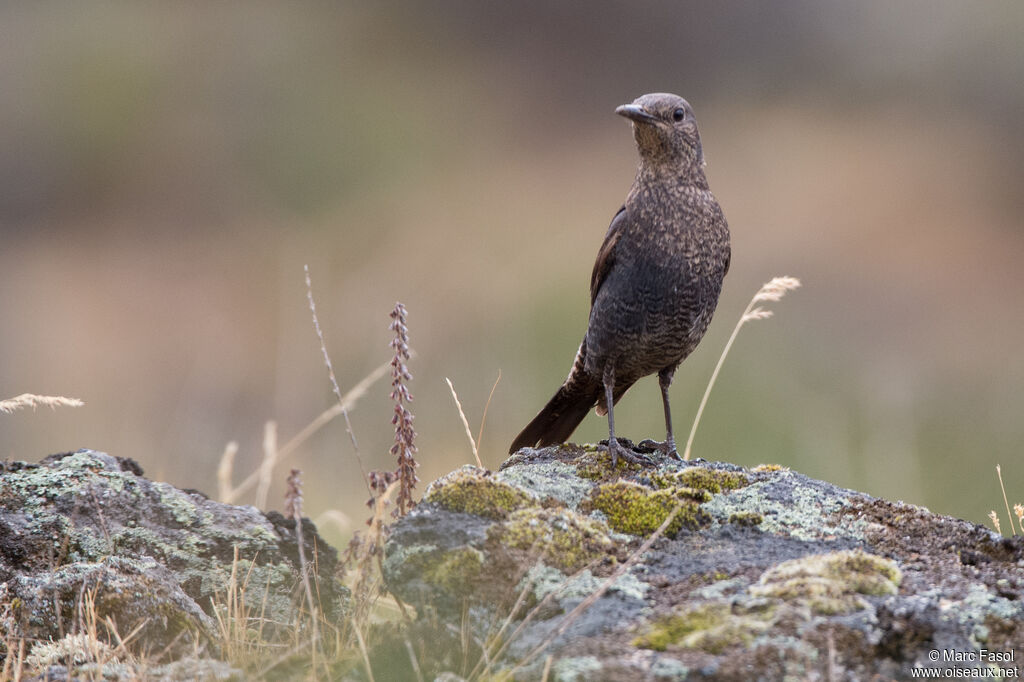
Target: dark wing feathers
606 254
564 412
580 392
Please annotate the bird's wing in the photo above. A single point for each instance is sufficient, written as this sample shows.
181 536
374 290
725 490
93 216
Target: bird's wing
606 254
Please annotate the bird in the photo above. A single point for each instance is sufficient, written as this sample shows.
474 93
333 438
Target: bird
655 283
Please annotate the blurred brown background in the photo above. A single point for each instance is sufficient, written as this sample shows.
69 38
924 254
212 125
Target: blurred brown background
166 169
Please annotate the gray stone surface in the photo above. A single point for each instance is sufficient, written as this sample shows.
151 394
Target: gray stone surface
778 576
86 531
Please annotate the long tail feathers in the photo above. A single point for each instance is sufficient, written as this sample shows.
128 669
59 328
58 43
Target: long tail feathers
566 409
559 418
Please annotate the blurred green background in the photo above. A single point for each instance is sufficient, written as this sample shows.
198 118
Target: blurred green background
166 169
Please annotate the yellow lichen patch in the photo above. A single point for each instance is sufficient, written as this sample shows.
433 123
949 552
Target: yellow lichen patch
830 583
712 480
746 518
561 537
474 491
768 468
456 569
635 509
697 495
711 627
596 465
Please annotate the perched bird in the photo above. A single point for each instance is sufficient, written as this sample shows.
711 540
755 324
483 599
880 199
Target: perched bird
656 281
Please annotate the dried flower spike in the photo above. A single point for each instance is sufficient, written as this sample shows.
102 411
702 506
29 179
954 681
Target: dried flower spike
404 448
293 495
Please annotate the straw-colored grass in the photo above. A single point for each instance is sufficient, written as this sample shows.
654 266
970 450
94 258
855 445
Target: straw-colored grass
1018 510
32 400
771 291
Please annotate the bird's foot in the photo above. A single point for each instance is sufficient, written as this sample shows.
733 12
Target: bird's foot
666 448
617 450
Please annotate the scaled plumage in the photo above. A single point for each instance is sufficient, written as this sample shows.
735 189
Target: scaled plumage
655 283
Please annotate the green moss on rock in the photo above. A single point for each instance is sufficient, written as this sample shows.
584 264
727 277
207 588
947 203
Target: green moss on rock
456 569
830 583
711 627
676 481
637 510
746 518
769 468
596 465
712 480
473 491
564 538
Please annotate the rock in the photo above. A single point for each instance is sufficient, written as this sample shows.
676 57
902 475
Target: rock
84 535
761 574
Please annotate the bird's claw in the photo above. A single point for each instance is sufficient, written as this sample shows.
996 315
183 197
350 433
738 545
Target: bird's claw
617 450
666 448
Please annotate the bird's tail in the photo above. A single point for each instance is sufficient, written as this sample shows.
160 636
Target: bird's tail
564 412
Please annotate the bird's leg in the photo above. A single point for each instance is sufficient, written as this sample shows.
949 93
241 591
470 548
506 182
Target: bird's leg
668 448
665 380
614 447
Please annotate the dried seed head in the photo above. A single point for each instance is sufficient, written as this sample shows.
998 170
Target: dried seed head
758 313
776 288
404 448
995 521
293 495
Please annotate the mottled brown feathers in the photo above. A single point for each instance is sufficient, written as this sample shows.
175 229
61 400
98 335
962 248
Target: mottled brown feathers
656 279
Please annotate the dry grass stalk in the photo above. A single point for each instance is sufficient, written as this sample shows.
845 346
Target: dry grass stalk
547 668
13 644
232 615
346 404
465 424
365 548
334 517
1018 509
413 660
999 473
266 470
571 617
497 645
770 291
123 642
330 372
293 510
487 405
362 650
32 400
225 469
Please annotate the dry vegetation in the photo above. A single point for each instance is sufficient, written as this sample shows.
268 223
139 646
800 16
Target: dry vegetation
318 648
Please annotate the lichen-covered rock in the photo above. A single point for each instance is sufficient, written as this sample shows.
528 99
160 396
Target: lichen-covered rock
474 491
563 538
86 532
830 583
636 509
762 574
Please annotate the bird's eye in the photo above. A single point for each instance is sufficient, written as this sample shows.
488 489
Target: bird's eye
678 115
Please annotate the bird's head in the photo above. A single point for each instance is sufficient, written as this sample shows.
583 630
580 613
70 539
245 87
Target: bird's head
665 130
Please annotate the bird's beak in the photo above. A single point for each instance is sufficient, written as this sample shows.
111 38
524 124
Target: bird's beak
636 113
